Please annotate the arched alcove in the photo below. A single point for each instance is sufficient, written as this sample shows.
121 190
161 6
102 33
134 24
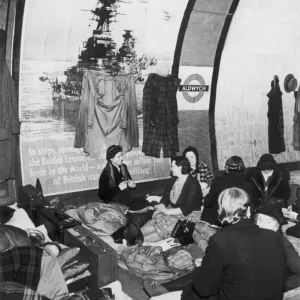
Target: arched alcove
245 43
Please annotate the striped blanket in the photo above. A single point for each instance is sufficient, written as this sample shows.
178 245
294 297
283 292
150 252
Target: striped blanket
13 290
21 265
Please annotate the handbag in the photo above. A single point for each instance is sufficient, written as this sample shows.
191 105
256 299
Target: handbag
183 232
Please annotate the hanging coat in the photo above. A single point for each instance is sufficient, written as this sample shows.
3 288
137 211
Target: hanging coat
275 116
160 116
107 114
296 125
9 118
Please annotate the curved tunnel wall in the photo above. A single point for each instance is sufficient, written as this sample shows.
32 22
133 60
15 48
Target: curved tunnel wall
198 53
263 40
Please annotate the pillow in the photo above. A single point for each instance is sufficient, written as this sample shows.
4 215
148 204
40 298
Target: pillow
11 237
66 255
21 220
74 269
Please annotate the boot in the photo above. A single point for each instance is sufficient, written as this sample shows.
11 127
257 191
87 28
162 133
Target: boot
118 235
133 234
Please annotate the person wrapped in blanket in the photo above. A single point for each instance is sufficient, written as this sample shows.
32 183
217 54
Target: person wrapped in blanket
181 200
115 182
199 169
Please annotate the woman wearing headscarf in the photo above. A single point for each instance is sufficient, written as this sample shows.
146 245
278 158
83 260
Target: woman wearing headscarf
115 182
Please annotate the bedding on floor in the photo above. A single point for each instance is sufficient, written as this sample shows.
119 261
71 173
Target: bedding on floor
101 217
38 271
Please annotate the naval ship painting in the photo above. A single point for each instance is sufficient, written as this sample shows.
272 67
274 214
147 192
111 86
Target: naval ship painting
98 52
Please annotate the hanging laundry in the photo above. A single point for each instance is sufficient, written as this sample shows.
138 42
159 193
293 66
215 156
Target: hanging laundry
107 114
9 117
296 126
275 116
160 116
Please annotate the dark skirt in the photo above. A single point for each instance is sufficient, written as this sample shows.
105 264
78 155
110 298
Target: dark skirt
132 202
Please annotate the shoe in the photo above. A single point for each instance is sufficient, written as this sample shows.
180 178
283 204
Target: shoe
119 235
133 234
154 288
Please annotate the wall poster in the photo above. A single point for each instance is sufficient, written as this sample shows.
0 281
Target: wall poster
60 40
195 86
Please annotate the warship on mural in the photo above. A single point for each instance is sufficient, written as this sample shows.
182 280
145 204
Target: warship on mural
100 53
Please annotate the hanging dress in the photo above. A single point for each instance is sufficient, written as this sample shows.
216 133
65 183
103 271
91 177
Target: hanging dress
296 126
275 116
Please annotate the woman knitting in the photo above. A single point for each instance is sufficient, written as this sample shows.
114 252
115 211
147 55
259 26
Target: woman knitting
115 182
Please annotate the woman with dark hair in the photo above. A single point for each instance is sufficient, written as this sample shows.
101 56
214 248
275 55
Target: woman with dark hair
115 181
233 177
199 168
181 200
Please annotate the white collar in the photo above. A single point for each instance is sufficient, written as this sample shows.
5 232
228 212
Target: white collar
266 176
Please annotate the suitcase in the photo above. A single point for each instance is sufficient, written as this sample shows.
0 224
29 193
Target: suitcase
55 222
102 258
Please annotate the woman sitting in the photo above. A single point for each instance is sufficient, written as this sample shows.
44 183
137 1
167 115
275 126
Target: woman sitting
271 184
182 200
233 177
115 182
199 169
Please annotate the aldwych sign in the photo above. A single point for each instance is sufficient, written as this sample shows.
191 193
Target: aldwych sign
193 88
200 88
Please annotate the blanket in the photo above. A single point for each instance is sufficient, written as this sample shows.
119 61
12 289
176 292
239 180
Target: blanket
145 262
22 265
102 217
13 290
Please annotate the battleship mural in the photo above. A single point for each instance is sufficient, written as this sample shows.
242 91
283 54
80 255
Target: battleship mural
110 36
